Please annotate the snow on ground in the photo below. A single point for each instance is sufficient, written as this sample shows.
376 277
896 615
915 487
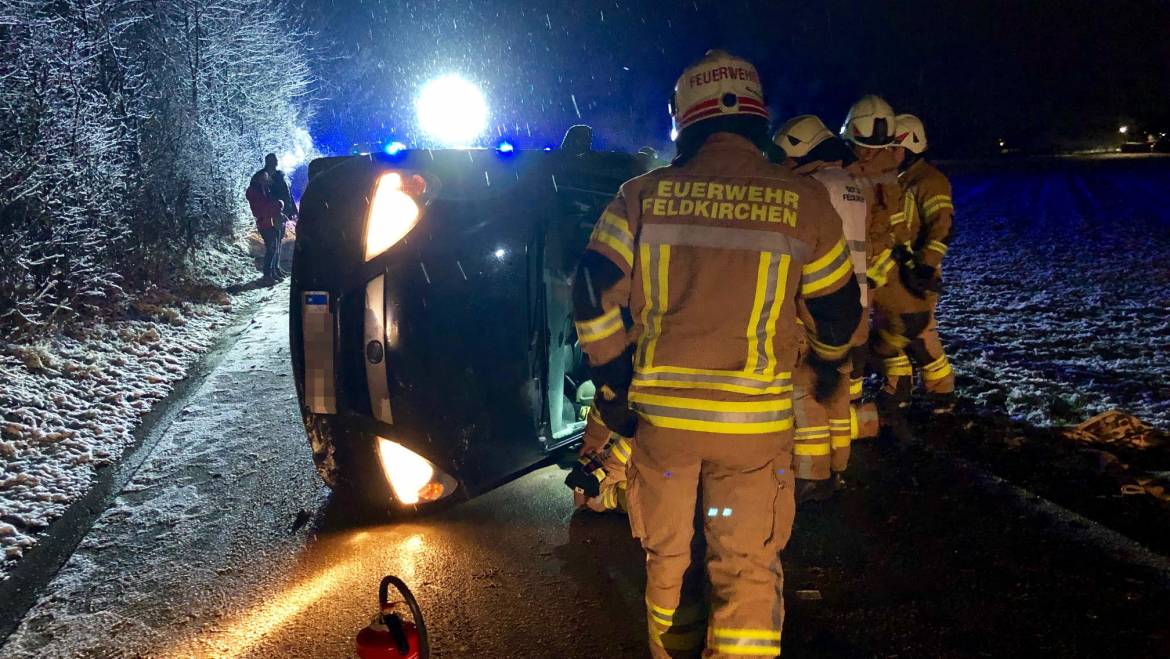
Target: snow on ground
69 404
1057 304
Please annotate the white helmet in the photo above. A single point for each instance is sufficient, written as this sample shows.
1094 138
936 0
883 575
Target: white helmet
802 134
870 123
719 85
909 133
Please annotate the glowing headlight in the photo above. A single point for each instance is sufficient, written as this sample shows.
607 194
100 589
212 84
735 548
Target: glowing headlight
412 477
393 213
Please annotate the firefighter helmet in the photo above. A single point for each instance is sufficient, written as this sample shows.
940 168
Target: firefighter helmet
719 85
870 123
802 134
909 133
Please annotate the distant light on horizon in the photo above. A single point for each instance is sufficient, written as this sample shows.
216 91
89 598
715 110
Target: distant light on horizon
394 148
505 147
452 111
1123 130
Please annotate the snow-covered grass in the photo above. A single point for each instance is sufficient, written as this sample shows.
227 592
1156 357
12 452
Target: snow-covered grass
69 403
1057 304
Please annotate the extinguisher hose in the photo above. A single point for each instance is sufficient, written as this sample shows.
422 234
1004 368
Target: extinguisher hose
424 645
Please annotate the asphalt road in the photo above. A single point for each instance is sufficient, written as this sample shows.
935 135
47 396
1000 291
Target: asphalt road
198 557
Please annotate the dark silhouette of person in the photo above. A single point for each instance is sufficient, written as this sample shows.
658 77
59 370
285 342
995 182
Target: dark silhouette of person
278 190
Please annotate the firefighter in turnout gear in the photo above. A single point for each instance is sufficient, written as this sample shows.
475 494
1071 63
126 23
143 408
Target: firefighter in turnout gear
613 451
930 215
714 257
870 126
824 431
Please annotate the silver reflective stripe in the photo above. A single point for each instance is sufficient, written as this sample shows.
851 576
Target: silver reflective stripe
856 245
711 379
711 415
826 270
617 234
654 305
725 238
774 262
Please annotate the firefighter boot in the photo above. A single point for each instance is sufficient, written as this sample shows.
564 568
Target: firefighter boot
894 426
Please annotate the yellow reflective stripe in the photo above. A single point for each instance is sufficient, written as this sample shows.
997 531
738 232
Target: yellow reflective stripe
899 366
882 264
897 218
655 266
753 337
854 426
827 270
936 203
937 246
621 451
819 448
684 615
732 632
826 351
840 442
781 285
780 386
609 498
895 340
749 650
856 386
718 427
602 327
715 373
937 369
614 231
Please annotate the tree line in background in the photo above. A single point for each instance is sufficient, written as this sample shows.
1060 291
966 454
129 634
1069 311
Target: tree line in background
128 132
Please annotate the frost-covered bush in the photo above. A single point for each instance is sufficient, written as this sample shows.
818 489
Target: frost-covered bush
128 131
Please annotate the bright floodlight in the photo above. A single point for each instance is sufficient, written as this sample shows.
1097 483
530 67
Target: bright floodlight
1123 130
452 111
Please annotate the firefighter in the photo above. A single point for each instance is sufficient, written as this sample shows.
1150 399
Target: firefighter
931 215
869 126
713 257
824 432
616 451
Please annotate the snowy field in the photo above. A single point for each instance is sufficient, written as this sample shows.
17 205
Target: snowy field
1057 302
69 405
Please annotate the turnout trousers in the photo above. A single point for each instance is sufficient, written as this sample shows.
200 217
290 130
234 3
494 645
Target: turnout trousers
906 335
725 501
823 430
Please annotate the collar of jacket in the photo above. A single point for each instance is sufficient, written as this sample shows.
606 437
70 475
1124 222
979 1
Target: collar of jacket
816 165
730 142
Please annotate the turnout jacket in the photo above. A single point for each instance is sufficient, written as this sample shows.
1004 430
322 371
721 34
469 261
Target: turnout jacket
847 195
932 212
887 226
713 261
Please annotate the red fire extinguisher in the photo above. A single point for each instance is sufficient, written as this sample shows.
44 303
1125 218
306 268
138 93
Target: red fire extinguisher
389 636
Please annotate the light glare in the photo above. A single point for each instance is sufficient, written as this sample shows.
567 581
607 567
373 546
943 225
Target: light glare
452 111
407 472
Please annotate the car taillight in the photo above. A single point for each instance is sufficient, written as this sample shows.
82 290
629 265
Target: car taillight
394 210
412 477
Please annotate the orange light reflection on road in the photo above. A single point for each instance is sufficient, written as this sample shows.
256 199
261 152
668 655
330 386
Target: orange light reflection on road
239 636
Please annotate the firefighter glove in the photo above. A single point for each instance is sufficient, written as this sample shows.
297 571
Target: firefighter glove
828 376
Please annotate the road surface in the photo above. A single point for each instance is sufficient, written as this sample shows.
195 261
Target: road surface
198 557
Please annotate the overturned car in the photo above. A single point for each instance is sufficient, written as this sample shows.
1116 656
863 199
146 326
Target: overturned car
430 325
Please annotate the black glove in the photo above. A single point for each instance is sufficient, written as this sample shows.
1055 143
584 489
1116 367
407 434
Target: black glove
828 377
920 279
612 400
616 412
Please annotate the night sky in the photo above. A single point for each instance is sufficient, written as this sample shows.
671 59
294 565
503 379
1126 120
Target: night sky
1037 74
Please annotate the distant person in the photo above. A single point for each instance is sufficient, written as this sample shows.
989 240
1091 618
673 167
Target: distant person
578 140
931 213
267 211
278 189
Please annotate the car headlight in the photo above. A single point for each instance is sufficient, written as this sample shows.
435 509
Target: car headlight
394 211
412 477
